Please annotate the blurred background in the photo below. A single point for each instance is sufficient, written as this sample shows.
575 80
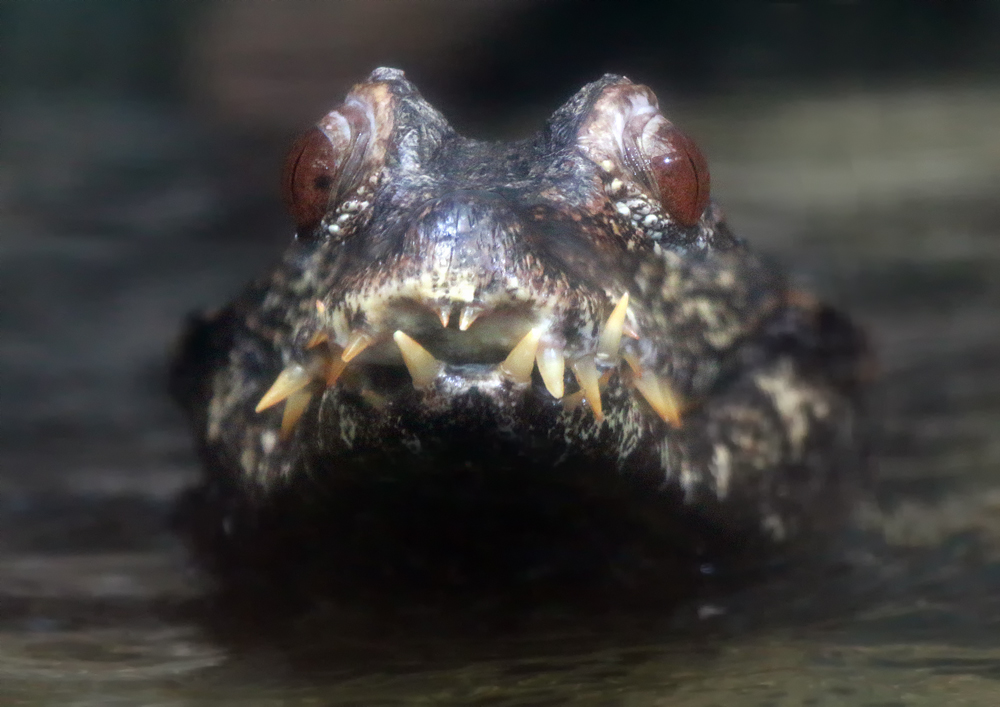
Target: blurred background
857 142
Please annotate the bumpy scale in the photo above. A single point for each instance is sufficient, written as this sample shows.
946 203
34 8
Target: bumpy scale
573 301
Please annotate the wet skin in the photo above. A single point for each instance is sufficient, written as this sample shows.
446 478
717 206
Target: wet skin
537 356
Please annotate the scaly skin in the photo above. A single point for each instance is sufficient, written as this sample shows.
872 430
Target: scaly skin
729 415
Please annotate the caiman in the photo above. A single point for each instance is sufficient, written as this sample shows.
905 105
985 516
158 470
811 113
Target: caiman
498 362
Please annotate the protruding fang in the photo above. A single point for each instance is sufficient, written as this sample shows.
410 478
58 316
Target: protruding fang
607 347
673 401
335 365
320 337
657 392
444 314
294 407
586 376
467 317
633 363
423 367
320 307
289 381
552 365
660 397
521 359
357 342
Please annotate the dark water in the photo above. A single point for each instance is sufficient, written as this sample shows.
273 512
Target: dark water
109 232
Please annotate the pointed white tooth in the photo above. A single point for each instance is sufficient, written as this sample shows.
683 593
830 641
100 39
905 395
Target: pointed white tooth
335 365
423 367
320 337
586 376
611 336
294 407
320 307
521 358
673 404
357 342
633 363
467 317
552 365
289 381
444 314
660 397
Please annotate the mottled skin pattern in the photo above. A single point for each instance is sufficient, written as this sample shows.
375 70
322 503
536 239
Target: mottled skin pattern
549 232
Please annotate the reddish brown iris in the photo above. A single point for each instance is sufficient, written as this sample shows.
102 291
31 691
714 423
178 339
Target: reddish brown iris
681 174
308 178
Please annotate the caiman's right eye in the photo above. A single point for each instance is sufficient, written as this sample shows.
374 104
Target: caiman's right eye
310 174
680 171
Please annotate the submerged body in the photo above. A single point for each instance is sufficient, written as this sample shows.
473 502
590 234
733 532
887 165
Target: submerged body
475 351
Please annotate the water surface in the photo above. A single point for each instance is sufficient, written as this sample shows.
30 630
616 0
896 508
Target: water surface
100 262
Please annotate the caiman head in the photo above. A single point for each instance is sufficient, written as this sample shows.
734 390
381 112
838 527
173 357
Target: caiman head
568 308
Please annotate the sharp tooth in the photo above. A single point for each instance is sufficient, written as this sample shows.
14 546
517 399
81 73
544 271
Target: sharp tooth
521 359
633 363
444 314
320 307
423 367
357 342
629 331
674 405
335 365
660 397
586 376
294 407
320 337
611 337
572 401
467 317
552 364
289 381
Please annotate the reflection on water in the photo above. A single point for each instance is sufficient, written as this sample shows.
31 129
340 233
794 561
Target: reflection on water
97 608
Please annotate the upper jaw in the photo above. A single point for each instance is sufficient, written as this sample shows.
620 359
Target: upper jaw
441 325
573 340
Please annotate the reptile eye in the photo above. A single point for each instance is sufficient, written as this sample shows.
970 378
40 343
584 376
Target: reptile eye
309 177
680 171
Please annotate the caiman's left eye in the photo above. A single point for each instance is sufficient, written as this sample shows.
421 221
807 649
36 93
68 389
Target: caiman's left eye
327 162
679 170
309 176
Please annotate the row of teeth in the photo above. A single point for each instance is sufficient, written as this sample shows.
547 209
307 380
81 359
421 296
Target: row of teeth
294 385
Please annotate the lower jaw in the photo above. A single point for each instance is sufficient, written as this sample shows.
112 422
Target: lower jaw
484 422
471 495
461 522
